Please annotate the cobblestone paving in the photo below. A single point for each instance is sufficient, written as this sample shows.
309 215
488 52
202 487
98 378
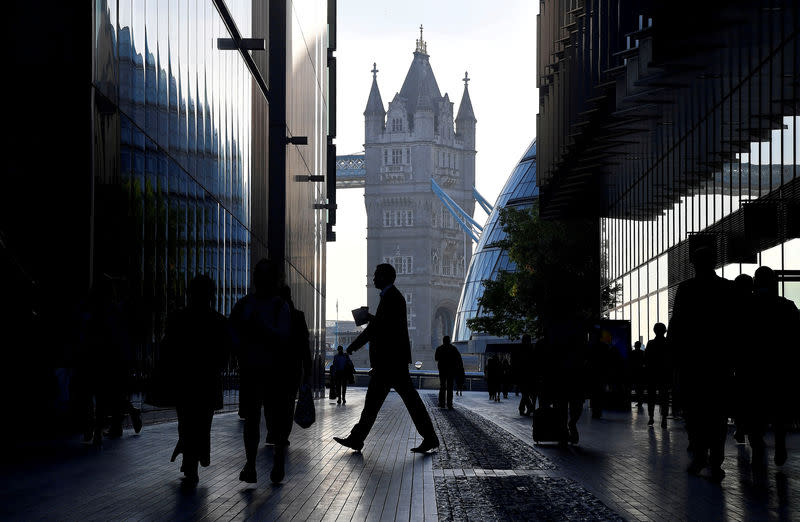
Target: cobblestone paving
517 498
470 441
482 472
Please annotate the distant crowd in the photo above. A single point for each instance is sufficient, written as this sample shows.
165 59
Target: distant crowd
730 352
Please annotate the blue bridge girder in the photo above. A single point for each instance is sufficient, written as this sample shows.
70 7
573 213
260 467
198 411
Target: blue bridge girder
351 171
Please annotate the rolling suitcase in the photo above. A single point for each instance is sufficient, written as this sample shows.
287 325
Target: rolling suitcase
548 425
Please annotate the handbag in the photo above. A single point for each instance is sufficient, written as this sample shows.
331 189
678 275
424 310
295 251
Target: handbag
304 413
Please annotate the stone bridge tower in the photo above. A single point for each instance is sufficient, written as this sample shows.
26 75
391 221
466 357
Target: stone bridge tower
415 140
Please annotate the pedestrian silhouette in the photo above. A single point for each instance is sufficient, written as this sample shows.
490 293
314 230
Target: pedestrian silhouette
560 360
342 371
507 376
294 371
636 372
448 358
771 387
196 347
522 368
741 402
261 326
461 376
658 371
107 360
493 376
601 360
700 332
390 355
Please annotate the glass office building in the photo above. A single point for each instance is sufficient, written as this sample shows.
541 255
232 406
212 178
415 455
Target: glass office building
520 191
673 131
182 159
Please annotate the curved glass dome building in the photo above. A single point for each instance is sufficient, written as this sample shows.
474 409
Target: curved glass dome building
520 191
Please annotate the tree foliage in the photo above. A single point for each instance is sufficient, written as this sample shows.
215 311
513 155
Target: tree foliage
556 276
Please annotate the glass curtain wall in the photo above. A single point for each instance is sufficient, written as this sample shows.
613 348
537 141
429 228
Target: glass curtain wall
172 155
648 258
489 260
744 198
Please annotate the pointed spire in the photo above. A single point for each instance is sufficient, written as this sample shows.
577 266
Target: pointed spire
465 109
422 45
374 102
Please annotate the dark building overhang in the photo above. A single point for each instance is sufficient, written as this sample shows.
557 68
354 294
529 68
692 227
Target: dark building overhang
617 105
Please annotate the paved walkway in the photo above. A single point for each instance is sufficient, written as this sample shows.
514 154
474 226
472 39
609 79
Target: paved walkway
487 468
639 471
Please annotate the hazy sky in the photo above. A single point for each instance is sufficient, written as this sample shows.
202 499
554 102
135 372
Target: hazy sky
494 41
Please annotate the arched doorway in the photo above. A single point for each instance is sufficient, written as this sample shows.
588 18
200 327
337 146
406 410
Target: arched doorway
442 325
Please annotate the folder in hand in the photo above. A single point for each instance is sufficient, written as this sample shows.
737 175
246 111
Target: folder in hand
361 315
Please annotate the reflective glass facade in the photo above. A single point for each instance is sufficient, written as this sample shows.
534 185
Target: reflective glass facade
182 152
648 258
173 145
673 128
488 260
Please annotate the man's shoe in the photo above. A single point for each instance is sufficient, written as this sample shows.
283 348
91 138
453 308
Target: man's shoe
344 401
248 473
136 419
427 445
338 401
350 442
449 406
650 422
738 436
191 478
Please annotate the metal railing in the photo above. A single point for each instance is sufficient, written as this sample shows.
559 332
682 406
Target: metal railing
423 379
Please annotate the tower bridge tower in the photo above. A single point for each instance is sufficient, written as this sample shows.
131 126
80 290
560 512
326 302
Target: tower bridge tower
414 140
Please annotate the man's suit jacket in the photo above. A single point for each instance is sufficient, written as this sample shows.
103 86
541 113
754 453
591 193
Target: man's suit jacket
387 334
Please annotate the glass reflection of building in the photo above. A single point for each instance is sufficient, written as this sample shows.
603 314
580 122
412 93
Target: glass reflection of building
519 191
183 160
672 131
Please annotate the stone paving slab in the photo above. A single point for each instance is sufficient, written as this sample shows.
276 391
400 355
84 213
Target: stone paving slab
132 478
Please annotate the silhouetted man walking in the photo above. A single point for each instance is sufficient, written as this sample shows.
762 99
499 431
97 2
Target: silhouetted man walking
341 373
390 355
447 356
197 344
658 367
700 332
635 371
522 367
261 323
771 379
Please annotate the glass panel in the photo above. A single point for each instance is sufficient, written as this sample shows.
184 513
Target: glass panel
791 255
791 290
